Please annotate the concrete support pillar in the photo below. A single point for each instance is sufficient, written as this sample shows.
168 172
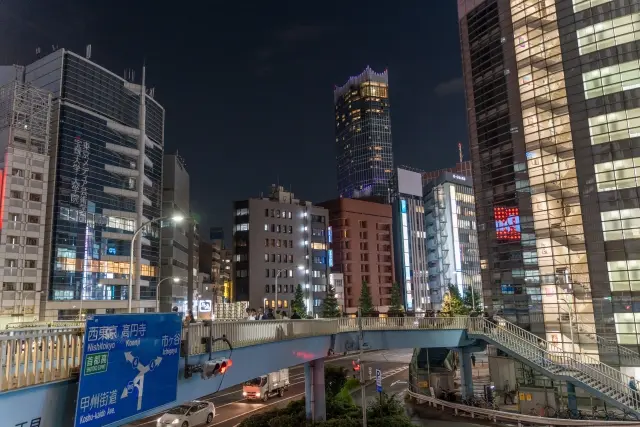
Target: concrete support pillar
466 373
315 404
572 402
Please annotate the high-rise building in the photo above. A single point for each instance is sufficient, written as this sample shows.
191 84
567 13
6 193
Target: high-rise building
410 240
175 238
25 117
553 128
280 240
452 241
106 173
362 249
337 282
364 153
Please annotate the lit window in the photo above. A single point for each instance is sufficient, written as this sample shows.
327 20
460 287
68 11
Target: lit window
618 174
319 246
610 33
579 5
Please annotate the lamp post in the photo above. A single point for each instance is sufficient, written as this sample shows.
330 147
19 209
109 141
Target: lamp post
175 218
175 280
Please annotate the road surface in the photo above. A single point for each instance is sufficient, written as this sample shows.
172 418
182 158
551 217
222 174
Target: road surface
231 408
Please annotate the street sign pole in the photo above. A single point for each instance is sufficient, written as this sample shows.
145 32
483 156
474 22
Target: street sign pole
379 385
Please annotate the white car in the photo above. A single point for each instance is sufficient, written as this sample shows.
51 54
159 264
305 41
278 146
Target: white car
189 414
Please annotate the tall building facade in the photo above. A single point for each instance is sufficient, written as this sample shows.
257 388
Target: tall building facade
554 124
105 180
462 168
410 240
175 238
362 249
280 240
364 153
25 139
452 241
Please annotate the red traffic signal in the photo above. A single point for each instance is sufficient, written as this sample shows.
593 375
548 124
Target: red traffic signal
356 365
215 367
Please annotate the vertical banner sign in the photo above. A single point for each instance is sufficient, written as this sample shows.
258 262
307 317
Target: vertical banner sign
81 174
129 365
379 380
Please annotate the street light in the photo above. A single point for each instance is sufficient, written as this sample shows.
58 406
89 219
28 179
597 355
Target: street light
175 280
175 218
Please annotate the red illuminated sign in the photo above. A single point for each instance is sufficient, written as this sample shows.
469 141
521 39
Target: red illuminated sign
507 223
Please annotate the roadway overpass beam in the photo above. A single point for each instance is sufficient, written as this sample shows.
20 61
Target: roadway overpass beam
466 372
315 403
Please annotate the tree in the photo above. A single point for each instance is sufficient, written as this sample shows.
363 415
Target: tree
471 296
452 303
330 306
366 305
298 302
335 377
395 309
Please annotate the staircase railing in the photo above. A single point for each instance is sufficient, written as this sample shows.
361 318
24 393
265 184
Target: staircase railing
540 352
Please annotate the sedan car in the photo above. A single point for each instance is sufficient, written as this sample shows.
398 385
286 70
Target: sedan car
189 414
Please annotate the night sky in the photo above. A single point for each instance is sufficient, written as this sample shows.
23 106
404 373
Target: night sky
248 86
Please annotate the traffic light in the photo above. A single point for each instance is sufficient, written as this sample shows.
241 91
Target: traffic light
356 365
215 367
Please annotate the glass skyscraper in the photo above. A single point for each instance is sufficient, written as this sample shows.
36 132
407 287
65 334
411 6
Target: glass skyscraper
553 96
363 136
106 179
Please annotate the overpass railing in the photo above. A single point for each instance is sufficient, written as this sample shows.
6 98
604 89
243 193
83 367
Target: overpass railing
39 355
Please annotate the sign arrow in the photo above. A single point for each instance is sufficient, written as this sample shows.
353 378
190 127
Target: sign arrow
128 356
158 360
125 393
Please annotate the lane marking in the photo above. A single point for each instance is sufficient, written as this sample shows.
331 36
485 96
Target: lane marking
261 407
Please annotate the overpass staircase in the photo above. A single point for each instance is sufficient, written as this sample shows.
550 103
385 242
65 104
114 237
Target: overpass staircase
582 370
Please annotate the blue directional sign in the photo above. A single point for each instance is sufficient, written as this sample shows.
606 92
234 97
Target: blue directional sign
378 380
129 365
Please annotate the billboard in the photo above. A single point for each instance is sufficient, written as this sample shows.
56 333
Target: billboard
129 365
507 222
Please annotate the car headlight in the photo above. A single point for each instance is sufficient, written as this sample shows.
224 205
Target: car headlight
244 393
176 421
257 394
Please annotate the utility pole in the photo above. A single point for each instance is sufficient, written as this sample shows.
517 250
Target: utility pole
362 381
190 227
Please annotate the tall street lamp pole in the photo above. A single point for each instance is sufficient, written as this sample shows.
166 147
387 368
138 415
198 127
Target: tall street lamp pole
175 218
175 280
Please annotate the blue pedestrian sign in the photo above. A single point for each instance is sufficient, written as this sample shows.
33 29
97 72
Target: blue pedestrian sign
129 365
379 380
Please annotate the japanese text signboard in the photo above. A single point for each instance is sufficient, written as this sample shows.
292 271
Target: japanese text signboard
129 365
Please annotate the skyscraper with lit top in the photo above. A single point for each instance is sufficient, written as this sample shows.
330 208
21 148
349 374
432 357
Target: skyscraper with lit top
364 153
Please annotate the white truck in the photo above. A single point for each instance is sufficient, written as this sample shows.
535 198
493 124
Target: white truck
266 386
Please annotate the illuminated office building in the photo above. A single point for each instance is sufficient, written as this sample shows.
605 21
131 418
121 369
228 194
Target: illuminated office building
363 136
553 96
105 180
452 241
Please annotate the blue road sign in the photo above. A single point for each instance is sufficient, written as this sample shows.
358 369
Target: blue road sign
379 380
129 365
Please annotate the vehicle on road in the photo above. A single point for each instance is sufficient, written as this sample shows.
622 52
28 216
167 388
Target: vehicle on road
266 386
189 414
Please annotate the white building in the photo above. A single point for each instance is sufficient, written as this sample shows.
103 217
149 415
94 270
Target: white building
25 115
452 239
336 280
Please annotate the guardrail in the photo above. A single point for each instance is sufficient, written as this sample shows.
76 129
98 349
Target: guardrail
510 417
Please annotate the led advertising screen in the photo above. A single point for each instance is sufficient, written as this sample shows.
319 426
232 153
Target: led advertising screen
507 223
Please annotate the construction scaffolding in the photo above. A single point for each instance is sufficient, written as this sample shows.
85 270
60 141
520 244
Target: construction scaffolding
27 110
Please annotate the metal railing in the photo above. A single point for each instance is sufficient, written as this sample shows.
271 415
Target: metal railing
514 418
609 381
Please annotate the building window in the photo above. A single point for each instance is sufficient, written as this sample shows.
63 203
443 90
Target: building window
36 176
362 224
266 227
31 241
277 213
615 126
609 33
278 243
15 194
266 289
266 213
243 211
241 273
28 286
35 197
266 257
8 286
17 172
32 219
266 243
289 216
318 246
29 263
266 272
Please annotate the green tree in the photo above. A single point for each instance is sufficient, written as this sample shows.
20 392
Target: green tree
452 304
471 296
335 377
330 306
396 309
366 305
298 302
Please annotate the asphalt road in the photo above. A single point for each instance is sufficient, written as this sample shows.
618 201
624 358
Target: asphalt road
231 408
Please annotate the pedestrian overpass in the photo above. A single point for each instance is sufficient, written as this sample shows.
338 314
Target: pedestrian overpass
39 367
